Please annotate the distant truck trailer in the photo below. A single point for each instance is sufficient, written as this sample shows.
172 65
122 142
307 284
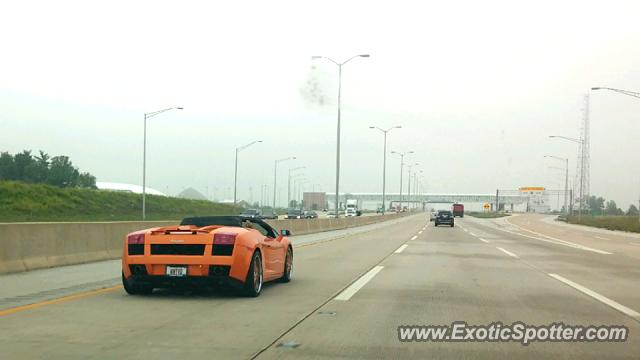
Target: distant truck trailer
458 210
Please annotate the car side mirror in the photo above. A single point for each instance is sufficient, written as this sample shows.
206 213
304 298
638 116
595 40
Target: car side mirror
285 232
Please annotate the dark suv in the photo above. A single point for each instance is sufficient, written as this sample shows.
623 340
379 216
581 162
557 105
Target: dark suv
251 213
444 217
295 214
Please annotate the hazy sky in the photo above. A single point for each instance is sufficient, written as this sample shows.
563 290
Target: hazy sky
476 86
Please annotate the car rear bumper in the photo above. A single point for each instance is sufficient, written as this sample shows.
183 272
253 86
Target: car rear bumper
218 276
446 222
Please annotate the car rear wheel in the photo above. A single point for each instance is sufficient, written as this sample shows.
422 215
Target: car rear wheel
451 224
254 281
288 266
135 289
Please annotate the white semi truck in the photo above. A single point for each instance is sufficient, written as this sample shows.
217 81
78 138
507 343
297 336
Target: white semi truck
352 208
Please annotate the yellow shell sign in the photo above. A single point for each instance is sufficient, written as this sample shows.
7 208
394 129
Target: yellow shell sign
532 188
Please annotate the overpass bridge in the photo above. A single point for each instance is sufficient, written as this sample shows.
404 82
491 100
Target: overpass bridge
507 199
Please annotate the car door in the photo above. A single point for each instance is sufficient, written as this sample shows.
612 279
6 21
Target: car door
271 248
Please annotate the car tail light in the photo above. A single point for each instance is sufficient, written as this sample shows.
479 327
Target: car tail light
135 239
224 239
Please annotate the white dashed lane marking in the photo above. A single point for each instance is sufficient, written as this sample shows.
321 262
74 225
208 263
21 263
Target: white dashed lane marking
507 252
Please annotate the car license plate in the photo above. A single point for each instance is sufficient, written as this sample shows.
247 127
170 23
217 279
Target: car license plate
176 271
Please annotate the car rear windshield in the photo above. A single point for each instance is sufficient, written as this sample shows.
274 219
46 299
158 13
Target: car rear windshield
444 213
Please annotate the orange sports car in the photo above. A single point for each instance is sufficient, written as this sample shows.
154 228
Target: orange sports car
207 251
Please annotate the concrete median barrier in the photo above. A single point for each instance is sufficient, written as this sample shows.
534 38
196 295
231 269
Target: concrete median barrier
30 246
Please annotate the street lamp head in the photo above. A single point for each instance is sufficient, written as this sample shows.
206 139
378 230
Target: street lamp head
596 88
398 127
315 57
364 55
179 108
372 127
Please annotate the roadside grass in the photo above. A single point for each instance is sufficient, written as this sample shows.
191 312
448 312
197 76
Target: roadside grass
623 223
23 202
486 215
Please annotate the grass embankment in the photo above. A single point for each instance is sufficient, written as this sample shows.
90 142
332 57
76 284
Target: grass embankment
486 215
623 223
37 202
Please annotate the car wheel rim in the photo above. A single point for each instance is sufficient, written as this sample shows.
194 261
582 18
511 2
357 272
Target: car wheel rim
257 274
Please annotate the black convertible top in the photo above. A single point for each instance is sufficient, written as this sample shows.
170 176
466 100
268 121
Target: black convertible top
236 221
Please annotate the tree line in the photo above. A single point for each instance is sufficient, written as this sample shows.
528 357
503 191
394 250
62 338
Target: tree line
43 169
600 206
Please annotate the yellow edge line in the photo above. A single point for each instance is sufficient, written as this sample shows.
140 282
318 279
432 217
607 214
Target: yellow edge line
58 300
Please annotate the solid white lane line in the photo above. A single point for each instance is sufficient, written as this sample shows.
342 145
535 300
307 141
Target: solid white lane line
401 249
558 242
602 238
420 232
543 237
507 252
358 284
623 309
483 240
414 237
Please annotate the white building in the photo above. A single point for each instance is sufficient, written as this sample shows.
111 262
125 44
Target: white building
136 189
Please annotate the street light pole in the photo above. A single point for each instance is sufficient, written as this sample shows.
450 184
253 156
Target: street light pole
338 128
144 157
275 174
296 189
384 162
624 92
409 184
415 186
566 178
581 142
401 170
289 184
235 173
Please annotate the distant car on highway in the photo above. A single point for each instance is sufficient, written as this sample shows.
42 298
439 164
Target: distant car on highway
444 217
380 210
331 214
268 214
251 213
310 215
207 252
433 215
295 214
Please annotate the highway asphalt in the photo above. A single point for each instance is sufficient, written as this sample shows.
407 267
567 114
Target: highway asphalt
349 294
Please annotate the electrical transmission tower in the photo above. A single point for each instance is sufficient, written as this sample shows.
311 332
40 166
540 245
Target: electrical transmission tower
583 167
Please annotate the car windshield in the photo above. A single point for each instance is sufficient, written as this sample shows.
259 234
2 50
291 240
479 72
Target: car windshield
250 212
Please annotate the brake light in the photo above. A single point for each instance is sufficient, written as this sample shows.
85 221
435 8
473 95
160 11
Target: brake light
224 239
135 239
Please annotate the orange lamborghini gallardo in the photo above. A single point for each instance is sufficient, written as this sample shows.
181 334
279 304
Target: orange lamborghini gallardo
208 252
